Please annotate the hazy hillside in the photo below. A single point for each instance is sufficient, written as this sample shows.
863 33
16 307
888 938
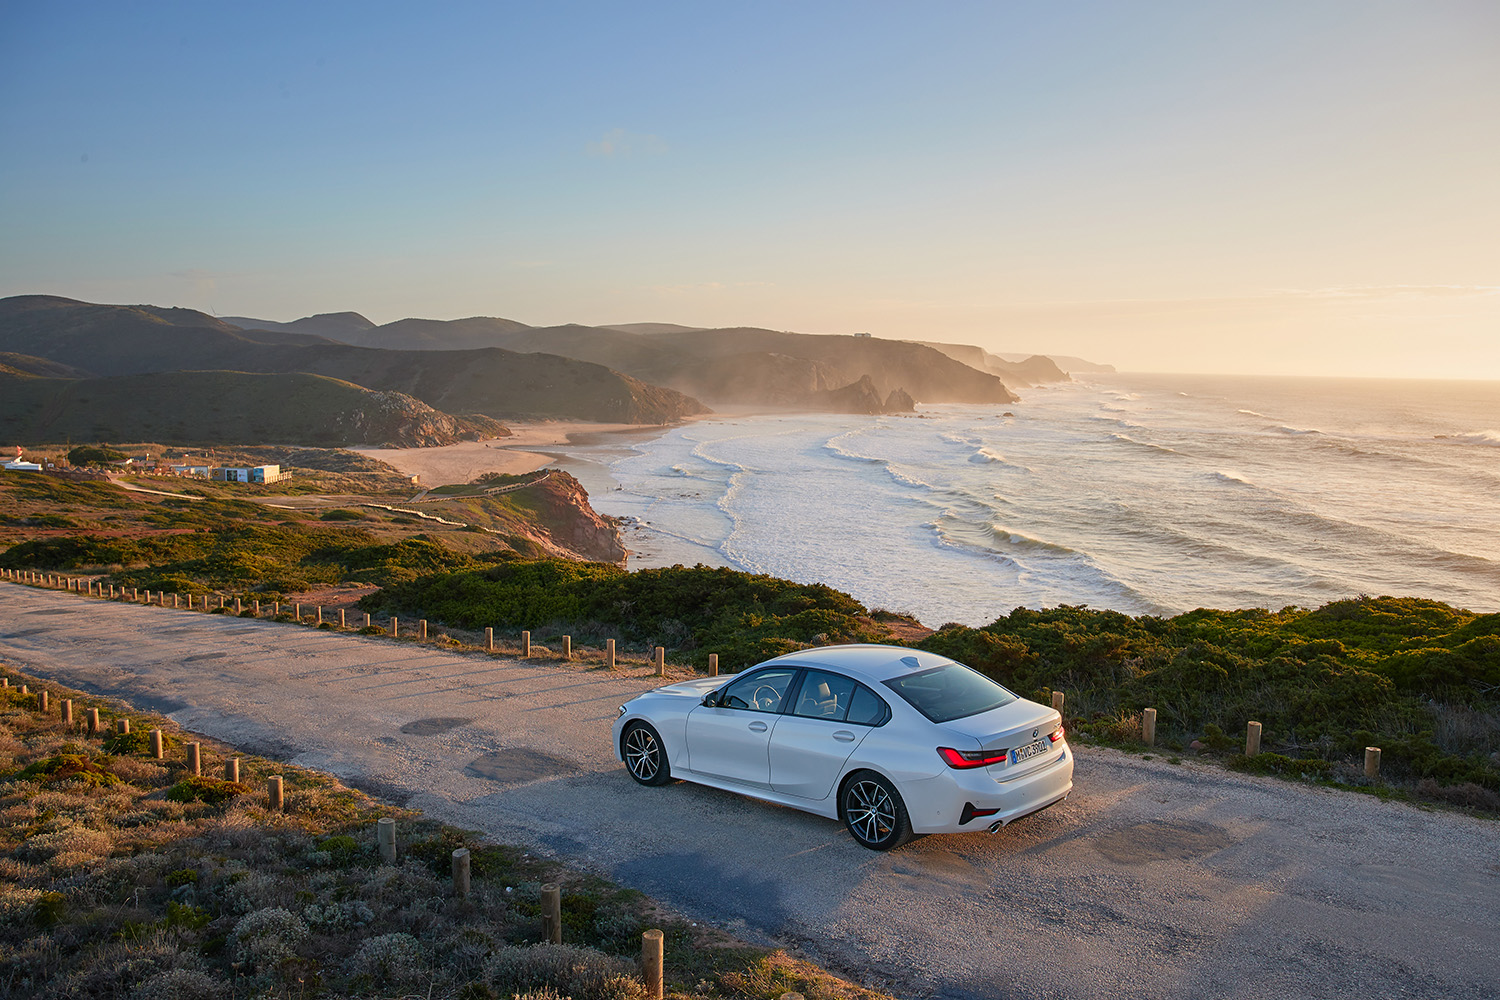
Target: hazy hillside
126 340
928 376
1032 370
219 407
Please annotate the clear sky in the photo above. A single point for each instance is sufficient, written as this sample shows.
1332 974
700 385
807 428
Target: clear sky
1277 186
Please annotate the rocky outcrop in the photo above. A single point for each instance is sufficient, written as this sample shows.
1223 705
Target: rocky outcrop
861 397
399 420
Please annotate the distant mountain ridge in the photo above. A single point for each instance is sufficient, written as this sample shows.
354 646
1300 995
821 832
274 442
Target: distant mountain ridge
103 340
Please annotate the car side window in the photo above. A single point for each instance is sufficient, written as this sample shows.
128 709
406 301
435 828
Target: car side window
824 696
762 691
865 707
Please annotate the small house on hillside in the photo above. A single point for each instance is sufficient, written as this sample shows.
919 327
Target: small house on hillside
250 474
17 465
202 471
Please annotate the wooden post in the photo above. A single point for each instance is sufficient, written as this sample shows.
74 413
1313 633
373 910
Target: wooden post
651 962
609 653
713 664
1252 739
275 796
148 596
395 628
93 722
343 622
122 726
320 614
1057 702
525 645
367 619
232 769
239 608
297 611
661 661
157 750
489 640
421 628
222 599
1372 762
257 607
1148 727
174 600
276 609
385 836
552 913
41 701
67 711
567 647
195 758
461 873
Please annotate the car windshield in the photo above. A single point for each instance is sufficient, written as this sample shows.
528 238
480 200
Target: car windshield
952 691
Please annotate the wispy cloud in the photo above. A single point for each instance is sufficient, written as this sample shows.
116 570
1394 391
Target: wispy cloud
619 142
1389 291
709 287
203 282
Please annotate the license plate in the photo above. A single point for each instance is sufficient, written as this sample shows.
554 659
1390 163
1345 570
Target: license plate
1031 750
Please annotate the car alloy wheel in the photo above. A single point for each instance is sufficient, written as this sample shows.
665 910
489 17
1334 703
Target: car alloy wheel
874 813
644 757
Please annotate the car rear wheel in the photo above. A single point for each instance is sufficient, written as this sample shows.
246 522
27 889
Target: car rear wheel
873 811
645 758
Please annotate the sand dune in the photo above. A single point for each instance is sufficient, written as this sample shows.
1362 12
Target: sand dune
468 460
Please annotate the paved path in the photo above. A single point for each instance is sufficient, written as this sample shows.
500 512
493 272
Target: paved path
1152 880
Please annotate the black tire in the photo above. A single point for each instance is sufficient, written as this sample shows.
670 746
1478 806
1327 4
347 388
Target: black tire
645 757
873 811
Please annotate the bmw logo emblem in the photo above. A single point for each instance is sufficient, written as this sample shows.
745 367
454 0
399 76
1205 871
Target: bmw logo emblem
1035 733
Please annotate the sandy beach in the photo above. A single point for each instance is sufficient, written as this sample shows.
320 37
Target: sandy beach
468 460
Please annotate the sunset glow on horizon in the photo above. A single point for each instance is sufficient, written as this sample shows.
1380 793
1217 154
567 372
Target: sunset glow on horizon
1279 188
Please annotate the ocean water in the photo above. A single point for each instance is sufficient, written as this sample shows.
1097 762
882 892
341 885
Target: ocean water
1148 494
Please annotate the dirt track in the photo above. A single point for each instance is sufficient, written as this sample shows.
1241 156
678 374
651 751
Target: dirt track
1152 880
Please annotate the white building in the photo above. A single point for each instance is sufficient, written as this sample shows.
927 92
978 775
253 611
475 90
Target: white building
251 474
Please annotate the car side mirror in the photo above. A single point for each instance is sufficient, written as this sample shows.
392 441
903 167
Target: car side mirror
711 700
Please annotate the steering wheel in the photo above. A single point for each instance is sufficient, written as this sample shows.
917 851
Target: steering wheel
767 700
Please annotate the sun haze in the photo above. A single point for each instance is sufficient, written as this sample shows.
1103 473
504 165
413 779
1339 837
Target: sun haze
1274 187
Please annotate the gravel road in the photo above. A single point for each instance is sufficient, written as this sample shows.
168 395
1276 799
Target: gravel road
1151 880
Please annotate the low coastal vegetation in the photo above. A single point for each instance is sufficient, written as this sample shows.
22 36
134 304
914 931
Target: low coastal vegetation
128 876
218 541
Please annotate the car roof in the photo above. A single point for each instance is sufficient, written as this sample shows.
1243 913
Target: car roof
868 662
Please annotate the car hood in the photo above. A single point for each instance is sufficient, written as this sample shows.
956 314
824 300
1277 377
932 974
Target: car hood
694 689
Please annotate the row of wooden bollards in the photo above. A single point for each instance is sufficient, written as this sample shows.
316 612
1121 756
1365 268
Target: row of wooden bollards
552 925
207 603
1252 736
94 726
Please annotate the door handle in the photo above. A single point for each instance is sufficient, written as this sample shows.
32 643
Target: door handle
757 727
844 736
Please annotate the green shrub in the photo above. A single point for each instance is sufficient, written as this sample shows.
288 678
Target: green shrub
69 767
214 791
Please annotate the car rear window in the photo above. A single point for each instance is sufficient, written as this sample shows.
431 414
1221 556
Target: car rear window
951 691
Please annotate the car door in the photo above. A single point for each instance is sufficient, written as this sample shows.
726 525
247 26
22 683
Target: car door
814 738
731 739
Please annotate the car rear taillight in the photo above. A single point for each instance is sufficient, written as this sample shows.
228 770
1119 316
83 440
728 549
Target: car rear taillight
963 759
1056 734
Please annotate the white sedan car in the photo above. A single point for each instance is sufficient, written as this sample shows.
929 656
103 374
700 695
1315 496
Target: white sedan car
893 741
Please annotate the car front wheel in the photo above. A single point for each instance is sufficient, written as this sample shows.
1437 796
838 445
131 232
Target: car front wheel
873 811
645 757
